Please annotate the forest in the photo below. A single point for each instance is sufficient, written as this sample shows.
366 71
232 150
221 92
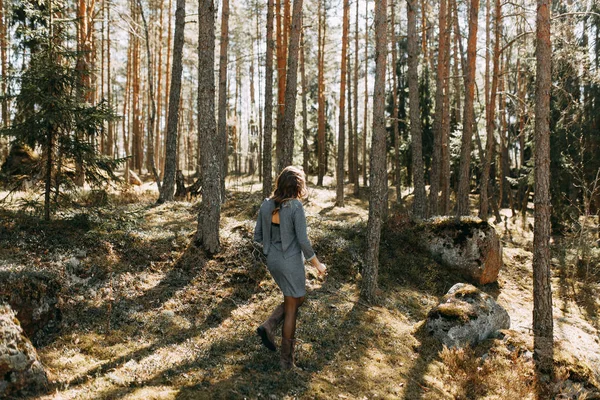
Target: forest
450 153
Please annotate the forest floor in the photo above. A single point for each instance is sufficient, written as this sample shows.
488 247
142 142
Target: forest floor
146 315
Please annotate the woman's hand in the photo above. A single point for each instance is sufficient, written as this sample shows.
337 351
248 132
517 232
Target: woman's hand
321 268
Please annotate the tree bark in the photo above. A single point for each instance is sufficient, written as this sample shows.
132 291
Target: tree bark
126 112
291 89
491 118
378 174
397 181
282 47
419 205
3 48
222 110
462 206
365 115
444 206
436 162
268 133
355 133
152 116
339 193
321 95
207 234
542 290
305 151
171 145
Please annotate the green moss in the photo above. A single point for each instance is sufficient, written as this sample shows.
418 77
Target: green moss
462 229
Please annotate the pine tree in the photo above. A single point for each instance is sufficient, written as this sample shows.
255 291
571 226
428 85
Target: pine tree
171 145
54 112
378 174
542 289
207 233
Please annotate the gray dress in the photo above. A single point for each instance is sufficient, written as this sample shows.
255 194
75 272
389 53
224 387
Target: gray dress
285 245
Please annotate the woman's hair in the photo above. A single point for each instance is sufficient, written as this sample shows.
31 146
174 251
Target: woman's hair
290 185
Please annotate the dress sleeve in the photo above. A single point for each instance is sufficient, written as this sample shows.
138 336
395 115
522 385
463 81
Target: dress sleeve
258 233
300 229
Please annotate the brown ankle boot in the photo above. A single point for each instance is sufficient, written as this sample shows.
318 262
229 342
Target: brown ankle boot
287 360
267 330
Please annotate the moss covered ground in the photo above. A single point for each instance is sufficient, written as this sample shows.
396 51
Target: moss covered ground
147 315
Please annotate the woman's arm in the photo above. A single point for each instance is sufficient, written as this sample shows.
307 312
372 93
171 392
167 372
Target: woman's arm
307 250
300 230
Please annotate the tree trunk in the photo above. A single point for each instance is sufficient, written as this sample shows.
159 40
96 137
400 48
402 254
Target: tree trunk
111 140
462 203
48 177
339 193
321 94
355 133
137 149
3 48
222 110
491 117
350 130
378 175
152 116
291 89
365 114
207 234
282 47
419 206
171 145
305 151
268 133
158 132
444 207
438 122
260 121
397 181
542 290
126 111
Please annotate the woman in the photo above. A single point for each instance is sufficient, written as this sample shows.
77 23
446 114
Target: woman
281 228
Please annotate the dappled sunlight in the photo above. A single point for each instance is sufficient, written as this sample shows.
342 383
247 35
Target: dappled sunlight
152 317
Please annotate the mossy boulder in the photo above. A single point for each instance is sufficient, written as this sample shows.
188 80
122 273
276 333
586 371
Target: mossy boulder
20 367
469 246
466 316
34 296
21 160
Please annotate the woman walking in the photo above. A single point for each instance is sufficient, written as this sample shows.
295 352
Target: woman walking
281 228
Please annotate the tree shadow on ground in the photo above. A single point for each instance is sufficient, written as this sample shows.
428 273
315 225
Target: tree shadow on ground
240 367
213 316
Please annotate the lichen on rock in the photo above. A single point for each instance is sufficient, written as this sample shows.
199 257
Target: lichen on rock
466 315
20 367
469 246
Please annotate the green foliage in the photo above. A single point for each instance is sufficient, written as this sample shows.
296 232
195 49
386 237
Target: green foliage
53 113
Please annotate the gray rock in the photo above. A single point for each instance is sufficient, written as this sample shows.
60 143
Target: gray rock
20 367
469 246
465 316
